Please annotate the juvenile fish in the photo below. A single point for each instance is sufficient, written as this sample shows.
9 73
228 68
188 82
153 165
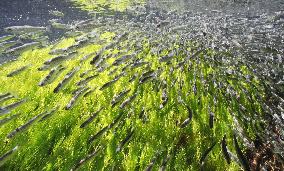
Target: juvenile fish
167 57
111 82
66 79
101 132
164 163
86 57
151 164
90 156
48 114
6 155
59 59
133 77
127 138
58 51
119 97
86 80
89 92
18 71
6 98
6 45
164 98
240 155
138 64
225 150
115 121
86 72
211 119
25 47
6 37
121 60
185 123
145 79
4 95
8 108
5 120
127 101
52 75
25 29
56 13
94 115
26 125
75 98
205 154
96 58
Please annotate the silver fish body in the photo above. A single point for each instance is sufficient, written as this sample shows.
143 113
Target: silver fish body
66 79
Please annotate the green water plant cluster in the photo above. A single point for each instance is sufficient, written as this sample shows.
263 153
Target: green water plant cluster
184 103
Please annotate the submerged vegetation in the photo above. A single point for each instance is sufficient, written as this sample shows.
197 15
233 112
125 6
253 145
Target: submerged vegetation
135 94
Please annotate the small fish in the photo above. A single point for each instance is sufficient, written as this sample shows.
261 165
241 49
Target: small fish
164 98
89 92
6 45
58 51
240 155
185 122
6 37
164 163
6 155
151 164
101 132
5 120
127 138
133 77
4 95
205 154
138 64
86 57
211 119
162 24
52 75
89 157
75 98
65 80
128 100
108 84
55 60
225 150
86 80
56 13
18 71
122 59
25 29
147 73
48 114
58 25
86 72
94 115
167 58
119 97
58 59
8 108
96 58
24 126
115 121
145 79
22 48
6 98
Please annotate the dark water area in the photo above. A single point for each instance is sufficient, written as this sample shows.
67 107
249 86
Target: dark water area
37 13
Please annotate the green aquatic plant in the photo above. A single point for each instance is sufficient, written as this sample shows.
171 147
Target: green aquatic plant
182 106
